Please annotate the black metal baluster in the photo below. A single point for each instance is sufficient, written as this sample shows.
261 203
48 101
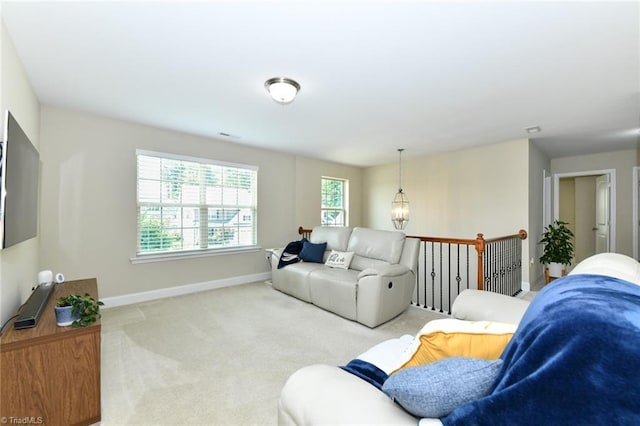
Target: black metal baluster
433 278
441 274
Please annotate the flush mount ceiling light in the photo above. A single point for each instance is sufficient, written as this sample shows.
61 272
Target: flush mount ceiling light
533 129
283 90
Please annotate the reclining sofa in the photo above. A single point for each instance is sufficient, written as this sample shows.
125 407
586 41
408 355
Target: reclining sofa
375 286
572 359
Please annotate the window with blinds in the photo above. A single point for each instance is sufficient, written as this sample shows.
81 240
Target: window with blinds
194 204
333 202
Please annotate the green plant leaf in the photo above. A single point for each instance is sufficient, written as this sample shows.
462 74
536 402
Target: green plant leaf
86 307
558 244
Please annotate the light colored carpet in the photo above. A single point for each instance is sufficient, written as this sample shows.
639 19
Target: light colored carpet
529 295
221 357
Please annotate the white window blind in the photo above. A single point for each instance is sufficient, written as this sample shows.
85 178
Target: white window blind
194 204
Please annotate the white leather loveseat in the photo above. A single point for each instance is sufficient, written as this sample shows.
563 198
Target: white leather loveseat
324 394
376 287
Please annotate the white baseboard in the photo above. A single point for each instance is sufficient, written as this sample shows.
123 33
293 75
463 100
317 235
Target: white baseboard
145 296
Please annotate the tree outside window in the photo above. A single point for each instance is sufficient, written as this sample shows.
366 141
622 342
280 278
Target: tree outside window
191 204
334 210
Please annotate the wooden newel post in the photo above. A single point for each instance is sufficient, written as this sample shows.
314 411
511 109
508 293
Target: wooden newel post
480 250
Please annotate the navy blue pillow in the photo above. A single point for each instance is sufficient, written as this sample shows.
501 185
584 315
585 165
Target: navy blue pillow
312 252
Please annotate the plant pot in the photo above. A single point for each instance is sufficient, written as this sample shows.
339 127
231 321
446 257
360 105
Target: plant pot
64 315
555 269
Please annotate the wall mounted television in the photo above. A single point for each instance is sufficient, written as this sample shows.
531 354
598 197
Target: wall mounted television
19 175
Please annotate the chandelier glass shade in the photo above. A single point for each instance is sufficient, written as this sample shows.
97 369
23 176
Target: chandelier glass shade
282 90
400 203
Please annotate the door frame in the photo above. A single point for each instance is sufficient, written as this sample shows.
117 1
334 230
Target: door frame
611 173
636 219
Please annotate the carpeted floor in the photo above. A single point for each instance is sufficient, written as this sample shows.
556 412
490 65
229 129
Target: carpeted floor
529 295
221 357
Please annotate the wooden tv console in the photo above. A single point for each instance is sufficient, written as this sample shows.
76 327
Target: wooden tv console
50 375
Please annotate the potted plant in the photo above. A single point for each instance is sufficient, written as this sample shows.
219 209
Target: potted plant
76 310
558 247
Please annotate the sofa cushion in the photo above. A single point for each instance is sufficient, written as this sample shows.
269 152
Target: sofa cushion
610 264
385 355
360 263
293 279
339 259
376 244
334 290
450 337
336 237
436 389
312 252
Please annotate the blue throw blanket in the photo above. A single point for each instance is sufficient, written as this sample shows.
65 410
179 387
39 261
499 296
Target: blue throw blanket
290 253
366 371
574 360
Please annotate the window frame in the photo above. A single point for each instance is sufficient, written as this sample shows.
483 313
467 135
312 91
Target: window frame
345 201
204 211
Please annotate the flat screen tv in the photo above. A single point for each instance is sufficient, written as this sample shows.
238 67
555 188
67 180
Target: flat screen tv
19 174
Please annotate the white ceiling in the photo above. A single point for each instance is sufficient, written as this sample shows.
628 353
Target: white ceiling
428 76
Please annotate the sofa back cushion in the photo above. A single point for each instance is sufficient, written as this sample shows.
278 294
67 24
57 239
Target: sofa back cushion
375 244
336 237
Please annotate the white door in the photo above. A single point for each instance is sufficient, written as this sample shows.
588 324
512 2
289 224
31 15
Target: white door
601 228
635 213
636 207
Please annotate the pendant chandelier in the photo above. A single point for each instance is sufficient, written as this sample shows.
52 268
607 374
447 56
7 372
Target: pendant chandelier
400 203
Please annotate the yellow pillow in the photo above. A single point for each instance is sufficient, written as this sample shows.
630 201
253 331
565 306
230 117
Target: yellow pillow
450 337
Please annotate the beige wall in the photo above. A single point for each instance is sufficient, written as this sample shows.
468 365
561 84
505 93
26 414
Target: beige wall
19 263
567 199
456 194
577 207
538 164
585 217
623 162
89 218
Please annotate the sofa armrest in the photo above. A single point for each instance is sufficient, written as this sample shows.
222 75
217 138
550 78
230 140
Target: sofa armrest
274 255
327 395
387 271
481 305
275 252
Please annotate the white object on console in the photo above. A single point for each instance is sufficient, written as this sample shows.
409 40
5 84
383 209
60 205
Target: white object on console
45 277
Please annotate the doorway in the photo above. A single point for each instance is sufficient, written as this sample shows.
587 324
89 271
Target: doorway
587 201
636 216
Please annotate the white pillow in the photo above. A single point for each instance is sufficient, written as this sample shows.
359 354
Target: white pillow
339 259
385 355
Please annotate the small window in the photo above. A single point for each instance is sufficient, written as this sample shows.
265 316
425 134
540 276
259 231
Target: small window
334 208
194 204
